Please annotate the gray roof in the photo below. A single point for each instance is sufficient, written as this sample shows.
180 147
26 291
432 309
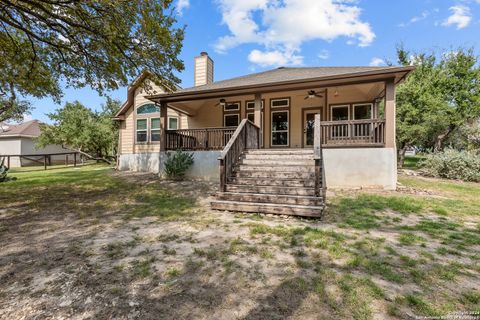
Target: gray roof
30 128
283 74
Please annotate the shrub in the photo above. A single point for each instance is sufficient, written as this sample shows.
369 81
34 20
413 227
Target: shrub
453 164
177 164
4 172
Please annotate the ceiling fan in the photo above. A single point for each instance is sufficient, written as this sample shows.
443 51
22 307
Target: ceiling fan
311 94
221 103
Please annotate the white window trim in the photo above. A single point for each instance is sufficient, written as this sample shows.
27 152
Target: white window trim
287 131
168 123
251 102
229 115
363 104
231 103
280 99
149 134
146 130
339 106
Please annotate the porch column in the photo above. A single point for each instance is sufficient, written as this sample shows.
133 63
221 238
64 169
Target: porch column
257 115
163 126
390 114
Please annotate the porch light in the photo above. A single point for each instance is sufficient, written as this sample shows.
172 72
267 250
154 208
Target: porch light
336 94
222 103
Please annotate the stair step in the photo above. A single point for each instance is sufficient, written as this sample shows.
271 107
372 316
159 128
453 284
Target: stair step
298 210
277 162
279 151
270 198
301 156
274 175
273 182
282 168
304 191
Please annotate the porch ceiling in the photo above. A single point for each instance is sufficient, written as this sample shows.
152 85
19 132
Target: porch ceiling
368 91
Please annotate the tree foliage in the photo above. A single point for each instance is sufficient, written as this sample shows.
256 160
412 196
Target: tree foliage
438 98
79 128
102 44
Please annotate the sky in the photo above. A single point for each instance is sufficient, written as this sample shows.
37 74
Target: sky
247 36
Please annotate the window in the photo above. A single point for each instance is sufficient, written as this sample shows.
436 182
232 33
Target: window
155 129
280 103
142 130
251 117
231 120
280 128
172 123
362 111
232 106
251 105
340 113
148 108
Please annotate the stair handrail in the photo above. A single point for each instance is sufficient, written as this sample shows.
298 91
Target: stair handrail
247 135
318 157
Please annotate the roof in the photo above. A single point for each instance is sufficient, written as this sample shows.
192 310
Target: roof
131 92
283 76
30 129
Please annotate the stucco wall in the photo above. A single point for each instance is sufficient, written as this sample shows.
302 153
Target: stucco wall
360 167
11 146
205 165
147 162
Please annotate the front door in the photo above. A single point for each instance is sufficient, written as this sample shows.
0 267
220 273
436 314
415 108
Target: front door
309 126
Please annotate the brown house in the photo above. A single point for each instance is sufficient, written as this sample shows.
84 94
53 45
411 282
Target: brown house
275 140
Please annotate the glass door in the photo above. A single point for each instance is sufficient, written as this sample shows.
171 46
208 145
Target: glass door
309 126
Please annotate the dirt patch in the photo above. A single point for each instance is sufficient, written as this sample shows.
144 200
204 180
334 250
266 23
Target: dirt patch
57 262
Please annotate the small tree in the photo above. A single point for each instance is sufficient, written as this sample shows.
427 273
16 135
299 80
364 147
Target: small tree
74 126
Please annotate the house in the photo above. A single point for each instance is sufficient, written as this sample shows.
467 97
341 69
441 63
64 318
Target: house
274 140
19 140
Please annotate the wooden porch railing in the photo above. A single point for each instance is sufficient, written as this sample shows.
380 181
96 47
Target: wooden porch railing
246 136
198 139
356 133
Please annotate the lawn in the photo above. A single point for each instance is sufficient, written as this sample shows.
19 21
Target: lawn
93 243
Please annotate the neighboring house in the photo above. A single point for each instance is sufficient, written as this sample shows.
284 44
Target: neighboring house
19 139
310 129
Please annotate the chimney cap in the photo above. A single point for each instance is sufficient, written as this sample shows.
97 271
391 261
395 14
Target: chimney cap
203 53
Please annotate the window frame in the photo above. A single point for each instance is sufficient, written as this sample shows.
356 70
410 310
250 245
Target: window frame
230 115
150 129
362 104
148 113
253 101
276 131
168 122
339 106
238 103
279 99
146 130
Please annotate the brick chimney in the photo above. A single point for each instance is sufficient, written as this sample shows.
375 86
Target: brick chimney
203 69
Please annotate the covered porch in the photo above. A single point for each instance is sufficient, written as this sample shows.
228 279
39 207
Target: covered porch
352 115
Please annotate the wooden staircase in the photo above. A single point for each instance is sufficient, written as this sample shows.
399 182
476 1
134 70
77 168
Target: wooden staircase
277 181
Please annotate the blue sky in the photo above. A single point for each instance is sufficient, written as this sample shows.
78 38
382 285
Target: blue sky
245 36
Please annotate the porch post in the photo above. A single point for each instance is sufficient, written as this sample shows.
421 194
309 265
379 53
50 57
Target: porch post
390 114
257 115
163 126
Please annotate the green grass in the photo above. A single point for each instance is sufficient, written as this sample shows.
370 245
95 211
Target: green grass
412 162
90 192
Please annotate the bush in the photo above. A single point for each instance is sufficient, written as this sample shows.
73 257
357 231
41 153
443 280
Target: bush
4 172
453 164
177 164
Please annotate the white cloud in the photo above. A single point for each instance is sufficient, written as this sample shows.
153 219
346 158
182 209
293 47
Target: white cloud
281 27
377 62
274 58
324 54
182 5
460 17
424 15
